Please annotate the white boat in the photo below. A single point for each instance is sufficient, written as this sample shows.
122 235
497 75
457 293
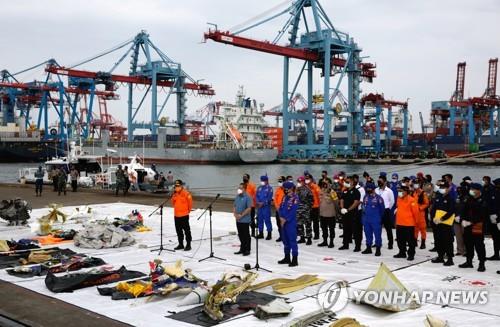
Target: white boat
86 164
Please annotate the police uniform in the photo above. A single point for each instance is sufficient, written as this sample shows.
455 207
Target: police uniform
120 180
444 238
349 196
264 199
490 197
475 215
288 211
372 220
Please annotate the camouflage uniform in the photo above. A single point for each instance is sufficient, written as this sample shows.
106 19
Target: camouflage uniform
120 180
304 211
61 182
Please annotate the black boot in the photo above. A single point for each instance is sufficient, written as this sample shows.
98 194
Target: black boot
344 247
324 243
261 235
357 249
253 232
285 260
422 245
494 257
279 239
294 262
438 260
400 255
410 257
316 236
377 252
269 236
433 249
331 244
466 264
187 247
481 267
368 250
301 240
179 247
390 246
449 262
309 242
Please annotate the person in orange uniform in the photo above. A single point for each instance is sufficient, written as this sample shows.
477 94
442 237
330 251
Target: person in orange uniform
251 190
315 207
182 201
406 218
279 194
423 203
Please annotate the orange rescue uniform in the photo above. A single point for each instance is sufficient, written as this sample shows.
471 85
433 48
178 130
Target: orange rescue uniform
407 213
182 202
315 192
279 194
421 225
252 191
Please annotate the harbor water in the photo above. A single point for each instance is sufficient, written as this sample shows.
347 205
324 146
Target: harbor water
209 180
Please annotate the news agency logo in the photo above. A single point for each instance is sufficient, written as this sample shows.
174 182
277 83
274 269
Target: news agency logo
334 295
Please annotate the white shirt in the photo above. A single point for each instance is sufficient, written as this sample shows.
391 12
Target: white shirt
363 193
387 196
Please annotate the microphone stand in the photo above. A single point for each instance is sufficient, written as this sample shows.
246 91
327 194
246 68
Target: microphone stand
209 208
160 249
257 267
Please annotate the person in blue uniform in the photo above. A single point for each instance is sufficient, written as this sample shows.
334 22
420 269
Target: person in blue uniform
264 200
288 219
372 219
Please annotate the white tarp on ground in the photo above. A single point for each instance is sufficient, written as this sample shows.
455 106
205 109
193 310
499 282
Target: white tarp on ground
330 264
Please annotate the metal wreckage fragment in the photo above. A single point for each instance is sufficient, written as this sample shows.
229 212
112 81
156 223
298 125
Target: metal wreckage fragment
226 291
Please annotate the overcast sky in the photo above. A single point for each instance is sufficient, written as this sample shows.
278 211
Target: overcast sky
415 44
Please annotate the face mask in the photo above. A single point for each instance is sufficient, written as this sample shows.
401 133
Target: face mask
416 186
468 181
400 194
380 184
335 180
403 184
262 183
280 184
442 190
240 191
308 181
472 193
394 180
483 183
341 178
436 188
245 180
347 185
299 184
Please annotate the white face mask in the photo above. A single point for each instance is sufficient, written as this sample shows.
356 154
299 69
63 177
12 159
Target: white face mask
394 180
400 194
468 181
308 181
472 193
341 178
262 183
347 185
335 180
299 184
442 190
240 191
403 184
280 184
483 183
436 188
416 186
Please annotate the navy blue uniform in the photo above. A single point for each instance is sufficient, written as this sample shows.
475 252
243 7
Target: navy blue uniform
372 218
264 197
288 211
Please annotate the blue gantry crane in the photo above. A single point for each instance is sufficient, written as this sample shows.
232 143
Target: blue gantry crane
320 46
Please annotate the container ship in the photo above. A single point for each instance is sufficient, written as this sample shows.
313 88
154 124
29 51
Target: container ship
240 136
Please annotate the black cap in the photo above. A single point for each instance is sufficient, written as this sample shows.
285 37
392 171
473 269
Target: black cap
466 178
497 182
178 182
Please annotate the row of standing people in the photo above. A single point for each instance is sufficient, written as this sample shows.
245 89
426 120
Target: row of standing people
59 178
409 205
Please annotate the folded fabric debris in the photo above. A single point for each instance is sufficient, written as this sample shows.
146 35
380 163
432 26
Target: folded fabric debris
287 285
46 256
15 211
74 263
276 308
21 245
12 259
82 213
95 236
226 291
196 296
49 240
75 281
64 234
162 280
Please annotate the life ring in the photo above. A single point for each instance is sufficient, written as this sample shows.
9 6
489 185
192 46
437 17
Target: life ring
53 131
